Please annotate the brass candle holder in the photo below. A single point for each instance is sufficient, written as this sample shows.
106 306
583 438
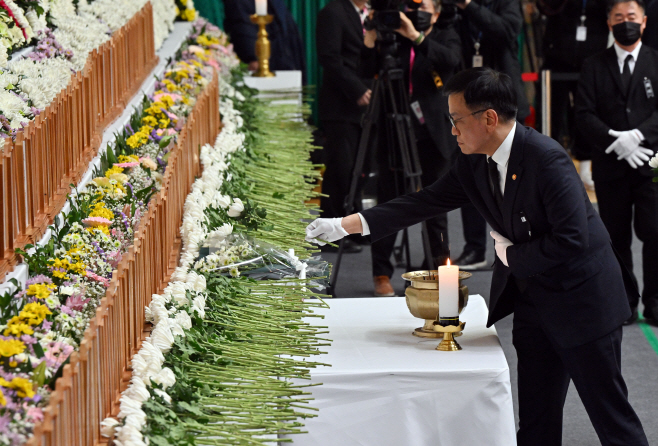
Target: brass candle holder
423 300
448 344
263 49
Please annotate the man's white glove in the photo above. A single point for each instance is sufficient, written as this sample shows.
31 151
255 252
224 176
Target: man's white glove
326 229
501 244
627 146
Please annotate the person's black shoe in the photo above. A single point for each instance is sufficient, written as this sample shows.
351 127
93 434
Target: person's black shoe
633 317
470 261
651 314
350 248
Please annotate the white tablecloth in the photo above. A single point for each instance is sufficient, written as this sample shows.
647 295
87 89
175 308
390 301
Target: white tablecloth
387 387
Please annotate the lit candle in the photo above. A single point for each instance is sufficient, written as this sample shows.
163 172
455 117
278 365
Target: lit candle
448 291
261 7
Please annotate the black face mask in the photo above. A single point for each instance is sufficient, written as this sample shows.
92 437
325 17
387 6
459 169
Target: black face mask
627 33
422 20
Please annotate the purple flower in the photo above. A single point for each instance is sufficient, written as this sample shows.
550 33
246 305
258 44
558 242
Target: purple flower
38 279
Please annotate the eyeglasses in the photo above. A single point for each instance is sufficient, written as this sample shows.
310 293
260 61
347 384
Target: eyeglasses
455 121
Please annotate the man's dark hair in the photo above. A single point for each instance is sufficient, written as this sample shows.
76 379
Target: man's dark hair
613 3
484 88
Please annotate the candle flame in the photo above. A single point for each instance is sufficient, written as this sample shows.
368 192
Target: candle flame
448 263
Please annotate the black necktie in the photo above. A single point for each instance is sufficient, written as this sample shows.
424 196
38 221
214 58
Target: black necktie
626 74
494 182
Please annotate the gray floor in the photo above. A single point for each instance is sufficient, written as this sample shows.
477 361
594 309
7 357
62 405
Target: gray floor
640 361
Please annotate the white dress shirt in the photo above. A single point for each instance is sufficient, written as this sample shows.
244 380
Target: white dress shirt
501 157
621 56
363 12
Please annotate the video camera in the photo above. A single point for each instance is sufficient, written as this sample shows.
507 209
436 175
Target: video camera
386 17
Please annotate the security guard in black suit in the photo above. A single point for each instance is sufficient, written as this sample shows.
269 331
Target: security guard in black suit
429 55
617 108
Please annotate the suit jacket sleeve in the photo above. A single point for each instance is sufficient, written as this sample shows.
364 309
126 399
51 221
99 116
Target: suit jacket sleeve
444 195
444 55
649 129
587 117
502 26
567 217
239 26
329 36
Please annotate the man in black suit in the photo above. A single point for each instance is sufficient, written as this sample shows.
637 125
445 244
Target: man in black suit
575 30
431 55
555 267
343 97
618 110
489 30
285 40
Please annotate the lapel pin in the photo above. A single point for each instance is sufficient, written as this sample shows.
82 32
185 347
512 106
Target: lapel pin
514 177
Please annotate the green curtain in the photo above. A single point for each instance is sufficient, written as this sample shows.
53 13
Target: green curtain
305 13
212 10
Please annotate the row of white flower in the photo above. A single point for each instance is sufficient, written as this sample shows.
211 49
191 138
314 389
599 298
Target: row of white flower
81 32
170 312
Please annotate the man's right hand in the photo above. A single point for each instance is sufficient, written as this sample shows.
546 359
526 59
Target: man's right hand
365 99
324 230
627 147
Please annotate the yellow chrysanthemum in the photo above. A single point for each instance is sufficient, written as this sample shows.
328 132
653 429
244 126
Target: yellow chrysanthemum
164 123
79 268
101 211
35 310
18 330
128 158
11 347
103 229
114 169
24 387
154 110
149 121
167 100
137 140
38 290
204 40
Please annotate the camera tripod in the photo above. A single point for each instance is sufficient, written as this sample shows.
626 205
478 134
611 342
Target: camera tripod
390 91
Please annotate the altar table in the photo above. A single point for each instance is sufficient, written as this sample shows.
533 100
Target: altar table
387 387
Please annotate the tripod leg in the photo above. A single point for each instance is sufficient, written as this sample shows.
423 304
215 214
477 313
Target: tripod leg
368 121
409 155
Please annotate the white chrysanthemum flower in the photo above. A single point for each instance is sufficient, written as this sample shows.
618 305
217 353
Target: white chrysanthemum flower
163 394
653 163
107 427
184 320
166 378
199 305
162 337
236 208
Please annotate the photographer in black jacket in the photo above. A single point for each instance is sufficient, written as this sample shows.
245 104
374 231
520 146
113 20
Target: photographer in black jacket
489 30
428 56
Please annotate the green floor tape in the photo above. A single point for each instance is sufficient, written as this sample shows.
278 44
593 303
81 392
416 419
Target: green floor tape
649 334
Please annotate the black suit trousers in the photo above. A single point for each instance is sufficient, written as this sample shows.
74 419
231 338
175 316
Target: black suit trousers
339 155
544 372
434 166
633 201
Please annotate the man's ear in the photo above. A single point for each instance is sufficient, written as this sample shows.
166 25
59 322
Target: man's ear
492 119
